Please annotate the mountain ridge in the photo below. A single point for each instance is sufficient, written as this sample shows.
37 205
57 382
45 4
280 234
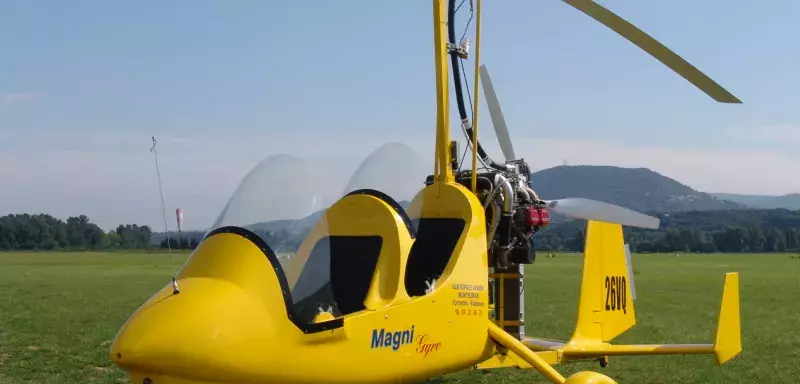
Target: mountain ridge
789 201
640 189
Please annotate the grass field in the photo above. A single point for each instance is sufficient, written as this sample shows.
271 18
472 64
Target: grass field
60 311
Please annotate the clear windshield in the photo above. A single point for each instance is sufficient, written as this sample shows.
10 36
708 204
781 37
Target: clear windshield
394 169
277 201
284 200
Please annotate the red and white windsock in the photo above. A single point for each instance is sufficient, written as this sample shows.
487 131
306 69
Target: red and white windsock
179 214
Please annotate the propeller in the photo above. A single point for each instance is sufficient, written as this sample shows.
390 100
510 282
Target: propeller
654 48
496 114
579 208
587 209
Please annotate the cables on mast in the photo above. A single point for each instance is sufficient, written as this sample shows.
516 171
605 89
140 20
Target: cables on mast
457 52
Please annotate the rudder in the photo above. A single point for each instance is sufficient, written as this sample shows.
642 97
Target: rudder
605 307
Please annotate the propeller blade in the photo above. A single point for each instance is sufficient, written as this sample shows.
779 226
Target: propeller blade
580 208
654 48
498 121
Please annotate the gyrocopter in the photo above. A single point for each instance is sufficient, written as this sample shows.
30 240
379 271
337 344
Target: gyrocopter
374 289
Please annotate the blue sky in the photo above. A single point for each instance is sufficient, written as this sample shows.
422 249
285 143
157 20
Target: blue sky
83 86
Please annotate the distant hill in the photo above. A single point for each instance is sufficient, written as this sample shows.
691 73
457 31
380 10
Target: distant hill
791 201
690 220
639 189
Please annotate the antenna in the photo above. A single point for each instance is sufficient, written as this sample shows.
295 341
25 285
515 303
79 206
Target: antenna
164 214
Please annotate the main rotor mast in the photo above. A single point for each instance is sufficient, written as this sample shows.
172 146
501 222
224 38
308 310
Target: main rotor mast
443 172
445 44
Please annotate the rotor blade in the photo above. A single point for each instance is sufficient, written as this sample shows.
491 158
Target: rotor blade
498 121
599 211
655 49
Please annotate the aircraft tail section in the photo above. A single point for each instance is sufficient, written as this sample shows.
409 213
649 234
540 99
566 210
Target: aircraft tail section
606 304
606 307
728 338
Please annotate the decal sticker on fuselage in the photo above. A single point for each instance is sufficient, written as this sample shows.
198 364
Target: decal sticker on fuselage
469 301
394 340
381 338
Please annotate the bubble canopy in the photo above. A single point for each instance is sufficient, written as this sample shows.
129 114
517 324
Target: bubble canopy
275 196
280 204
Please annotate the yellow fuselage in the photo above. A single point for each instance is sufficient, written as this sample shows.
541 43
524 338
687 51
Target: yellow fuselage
233 320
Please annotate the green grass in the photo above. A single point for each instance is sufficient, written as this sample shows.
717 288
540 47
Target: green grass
60 311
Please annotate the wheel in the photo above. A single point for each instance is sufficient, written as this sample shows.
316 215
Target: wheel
603 361
589 377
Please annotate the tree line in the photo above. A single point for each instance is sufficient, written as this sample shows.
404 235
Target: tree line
44 232
179 242
729 231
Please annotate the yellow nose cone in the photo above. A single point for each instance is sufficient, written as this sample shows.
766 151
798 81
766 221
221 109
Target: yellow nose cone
228 323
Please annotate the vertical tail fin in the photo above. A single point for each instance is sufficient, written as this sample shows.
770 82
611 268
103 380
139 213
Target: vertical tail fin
728 338
605 308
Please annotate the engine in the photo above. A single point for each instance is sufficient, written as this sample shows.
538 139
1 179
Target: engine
514 212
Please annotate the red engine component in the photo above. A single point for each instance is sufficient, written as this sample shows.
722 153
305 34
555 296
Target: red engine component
544 215
537 217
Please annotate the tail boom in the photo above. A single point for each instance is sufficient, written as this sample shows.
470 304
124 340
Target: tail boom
636 350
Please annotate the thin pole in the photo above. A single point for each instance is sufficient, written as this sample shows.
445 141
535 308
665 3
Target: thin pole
475 101
161 191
